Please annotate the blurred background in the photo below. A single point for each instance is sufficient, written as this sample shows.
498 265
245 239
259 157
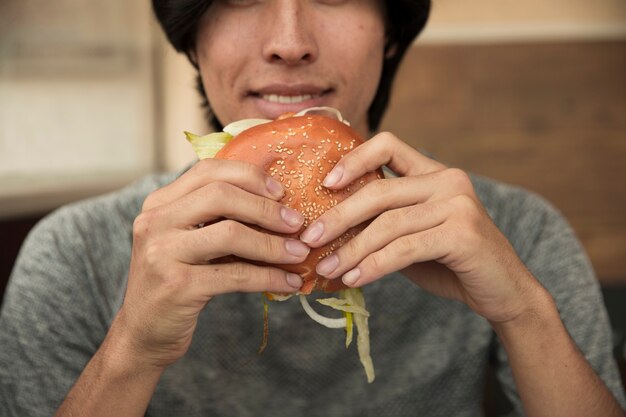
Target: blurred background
532 93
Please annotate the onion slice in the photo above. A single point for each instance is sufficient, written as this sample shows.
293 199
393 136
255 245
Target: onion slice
324 111
331 323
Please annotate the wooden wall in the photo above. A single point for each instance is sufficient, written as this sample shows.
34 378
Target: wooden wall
547 116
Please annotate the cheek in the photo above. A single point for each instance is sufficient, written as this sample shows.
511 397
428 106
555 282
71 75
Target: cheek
219 65
364 45
219 49
365 59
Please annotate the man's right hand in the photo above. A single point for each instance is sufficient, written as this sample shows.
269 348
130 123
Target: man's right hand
172 274
172 277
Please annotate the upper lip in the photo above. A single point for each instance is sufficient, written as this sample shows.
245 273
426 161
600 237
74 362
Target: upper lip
290 90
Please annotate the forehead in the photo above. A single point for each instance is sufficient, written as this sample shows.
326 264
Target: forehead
329 5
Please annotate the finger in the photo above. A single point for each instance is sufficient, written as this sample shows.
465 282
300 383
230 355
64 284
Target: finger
241 174
229 237
382 195
223 200
387 228
402 252
382 149
210 280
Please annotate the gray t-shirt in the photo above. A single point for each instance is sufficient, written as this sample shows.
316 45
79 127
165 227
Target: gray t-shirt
430 354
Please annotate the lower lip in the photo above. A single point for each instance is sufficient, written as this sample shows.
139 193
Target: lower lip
271 110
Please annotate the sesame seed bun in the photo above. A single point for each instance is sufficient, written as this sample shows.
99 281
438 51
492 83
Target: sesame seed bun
299 151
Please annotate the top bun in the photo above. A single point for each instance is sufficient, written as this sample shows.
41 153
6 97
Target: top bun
300 151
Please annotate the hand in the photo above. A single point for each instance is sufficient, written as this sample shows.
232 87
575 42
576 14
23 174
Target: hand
172 273
428 223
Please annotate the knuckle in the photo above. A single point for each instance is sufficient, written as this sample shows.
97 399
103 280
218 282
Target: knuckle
228 229
459 180
267 209
203 168
218 190
422 211
389 220
204 165
380 187
387 138
376 263
405 247
153 256
240 274
271 278
254 171
246 277
151 201
143 224
469 223
273 246
352 250
335 214
465 205
428 242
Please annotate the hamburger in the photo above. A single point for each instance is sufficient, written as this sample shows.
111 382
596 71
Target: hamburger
299 150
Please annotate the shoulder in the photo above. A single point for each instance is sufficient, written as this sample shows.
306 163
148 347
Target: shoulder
97 221
106 211
525 217
94 224
508 204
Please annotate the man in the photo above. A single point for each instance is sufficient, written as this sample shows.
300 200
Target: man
148 327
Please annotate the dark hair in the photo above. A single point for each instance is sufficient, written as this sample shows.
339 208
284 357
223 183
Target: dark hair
405 20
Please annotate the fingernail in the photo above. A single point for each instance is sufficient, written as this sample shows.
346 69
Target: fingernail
350 277
274 187
296 248
294 280
312 233
327 265
291 217
333 177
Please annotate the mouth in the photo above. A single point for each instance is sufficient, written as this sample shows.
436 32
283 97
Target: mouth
286 99
272 101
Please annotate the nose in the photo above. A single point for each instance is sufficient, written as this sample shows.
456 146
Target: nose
290 36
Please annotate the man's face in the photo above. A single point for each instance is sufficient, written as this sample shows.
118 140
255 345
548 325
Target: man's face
262 58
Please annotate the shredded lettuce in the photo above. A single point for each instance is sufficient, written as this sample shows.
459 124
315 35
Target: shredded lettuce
352 303
208 145
266 327
342 304
355 298
349 328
